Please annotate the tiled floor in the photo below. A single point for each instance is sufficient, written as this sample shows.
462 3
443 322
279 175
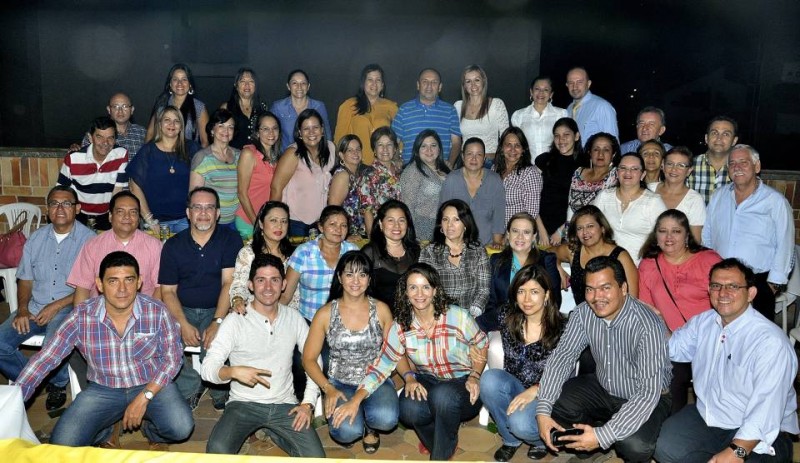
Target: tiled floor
476 443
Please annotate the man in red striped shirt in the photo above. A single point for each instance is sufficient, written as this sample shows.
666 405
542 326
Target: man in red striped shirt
96 172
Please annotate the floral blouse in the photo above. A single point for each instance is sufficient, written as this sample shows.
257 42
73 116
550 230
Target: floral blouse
377 187
352 201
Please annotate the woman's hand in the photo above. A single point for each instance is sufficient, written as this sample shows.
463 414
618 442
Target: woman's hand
332 396
415 390
564 278
474 388
523 399
555 238
239 306
346 411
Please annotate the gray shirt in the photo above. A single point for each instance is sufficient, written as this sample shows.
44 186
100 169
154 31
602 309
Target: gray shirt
632 363
488 205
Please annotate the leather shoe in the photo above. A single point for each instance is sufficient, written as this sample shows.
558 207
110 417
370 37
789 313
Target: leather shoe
537 452
56 397
371 447
505 453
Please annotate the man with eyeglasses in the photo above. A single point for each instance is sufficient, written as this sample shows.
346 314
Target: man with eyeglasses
650 125
753 222
43 296
129 135
196 275
711 168
744 370
96 172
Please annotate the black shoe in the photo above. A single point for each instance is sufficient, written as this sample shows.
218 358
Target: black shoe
218 406
194 400
372 447
56 397
505 452
537 452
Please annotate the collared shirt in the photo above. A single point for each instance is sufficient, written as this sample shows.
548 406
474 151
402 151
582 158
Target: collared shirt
759 231
632 363
197 270
633 146
595 115
315 275
145 248
538 128
445 355
468 282
743 375
255 342
47 263
149 350
413 117
488 205
94 181
287 117
132 140
705 179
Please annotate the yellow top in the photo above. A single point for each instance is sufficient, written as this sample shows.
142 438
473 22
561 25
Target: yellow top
362 125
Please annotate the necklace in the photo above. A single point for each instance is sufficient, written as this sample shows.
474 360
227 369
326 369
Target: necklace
171 163
627 200
455 256
222 156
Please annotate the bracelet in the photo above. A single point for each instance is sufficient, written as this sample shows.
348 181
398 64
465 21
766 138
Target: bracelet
409 372
148 216
476 378
476 372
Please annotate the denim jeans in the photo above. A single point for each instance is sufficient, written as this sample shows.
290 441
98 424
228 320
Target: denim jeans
298 228
685 437
379 412
177 225
241 419
189 380
437 419
12 361
498 389
90 418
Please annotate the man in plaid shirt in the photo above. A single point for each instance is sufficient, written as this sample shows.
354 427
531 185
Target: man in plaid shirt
133 347
710 170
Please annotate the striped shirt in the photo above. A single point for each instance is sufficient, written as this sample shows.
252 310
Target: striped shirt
145 248
445 355
149 350
705 179
632 363
94 182
220 176
413 117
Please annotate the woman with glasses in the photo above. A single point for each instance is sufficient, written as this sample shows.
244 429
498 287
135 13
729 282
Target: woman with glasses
630 208
676 195
215 165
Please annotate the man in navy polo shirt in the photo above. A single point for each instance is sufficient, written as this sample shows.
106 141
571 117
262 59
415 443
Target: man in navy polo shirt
427 111
195 277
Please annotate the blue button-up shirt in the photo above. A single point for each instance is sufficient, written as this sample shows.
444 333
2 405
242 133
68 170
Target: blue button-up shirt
595 115
413 117
287 117
47 263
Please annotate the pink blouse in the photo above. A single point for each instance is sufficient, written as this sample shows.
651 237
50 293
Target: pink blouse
260 183
307 191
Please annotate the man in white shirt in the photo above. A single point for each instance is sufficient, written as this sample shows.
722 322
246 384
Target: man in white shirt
260 345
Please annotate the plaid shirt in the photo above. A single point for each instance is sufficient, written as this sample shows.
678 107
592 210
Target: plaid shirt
705 179
523 191
468 283
150 349
445 355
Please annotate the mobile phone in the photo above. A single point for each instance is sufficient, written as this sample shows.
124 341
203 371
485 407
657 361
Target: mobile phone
556 435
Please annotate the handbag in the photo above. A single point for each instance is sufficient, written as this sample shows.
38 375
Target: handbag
11 245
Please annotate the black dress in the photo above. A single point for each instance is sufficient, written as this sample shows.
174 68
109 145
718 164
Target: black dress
557 171
577 278
386 272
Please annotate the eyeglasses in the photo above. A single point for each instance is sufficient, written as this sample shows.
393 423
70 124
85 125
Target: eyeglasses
64 204
676 165
124 107
203 208
630 168
717 287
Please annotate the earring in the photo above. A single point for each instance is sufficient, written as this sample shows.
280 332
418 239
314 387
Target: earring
191 91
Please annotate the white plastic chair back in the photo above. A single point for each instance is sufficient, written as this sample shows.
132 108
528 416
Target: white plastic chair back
16 212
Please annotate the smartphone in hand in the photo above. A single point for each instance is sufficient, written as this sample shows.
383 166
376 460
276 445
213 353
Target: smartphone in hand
556 435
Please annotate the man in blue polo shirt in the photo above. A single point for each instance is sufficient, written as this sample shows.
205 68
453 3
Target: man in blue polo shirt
427 111
195 277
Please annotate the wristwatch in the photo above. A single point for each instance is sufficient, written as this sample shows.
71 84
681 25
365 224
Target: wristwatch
148 394
218 320
739 452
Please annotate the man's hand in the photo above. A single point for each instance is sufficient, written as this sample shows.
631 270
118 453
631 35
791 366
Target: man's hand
134 413
547 424
250 376
22 322
302 417
209 334
585 442
46 315
190 335
725 456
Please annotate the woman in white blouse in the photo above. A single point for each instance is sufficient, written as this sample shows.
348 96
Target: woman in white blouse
481 116
677 166
537 120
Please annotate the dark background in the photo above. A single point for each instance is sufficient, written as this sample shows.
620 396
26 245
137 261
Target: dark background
60 61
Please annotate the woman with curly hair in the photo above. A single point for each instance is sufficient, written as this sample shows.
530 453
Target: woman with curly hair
425 322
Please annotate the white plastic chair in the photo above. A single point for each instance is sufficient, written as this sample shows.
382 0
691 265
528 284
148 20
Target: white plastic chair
15 213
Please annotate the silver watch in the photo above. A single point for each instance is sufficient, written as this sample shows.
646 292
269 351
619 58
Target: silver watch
148 394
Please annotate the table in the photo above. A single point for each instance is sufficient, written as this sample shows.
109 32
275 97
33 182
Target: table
15 419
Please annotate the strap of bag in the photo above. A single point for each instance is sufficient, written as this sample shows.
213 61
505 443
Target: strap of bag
663 280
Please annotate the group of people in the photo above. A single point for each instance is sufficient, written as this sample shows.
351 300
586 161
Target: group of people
653 236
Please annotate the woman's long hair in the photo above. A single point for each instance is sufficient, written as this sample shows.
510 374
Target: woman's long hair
552 322
484 109
234 105
650 247
259 242
404 311
302 150
351 261
187 109
573 242
524 160
362 105
269 155
180 145
415 156
471 237
506 255
378 238
577 152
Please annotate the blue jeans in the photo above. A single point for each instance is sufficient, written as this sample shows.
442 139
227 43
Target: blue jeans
498 389
436 420
243 418
685 437
177 225
189 380
12 361
298 228
90 418
379 411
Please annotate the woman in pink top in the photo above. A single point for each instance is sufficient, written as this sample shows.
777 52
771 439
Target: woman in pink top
673 278
304 173
255 171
